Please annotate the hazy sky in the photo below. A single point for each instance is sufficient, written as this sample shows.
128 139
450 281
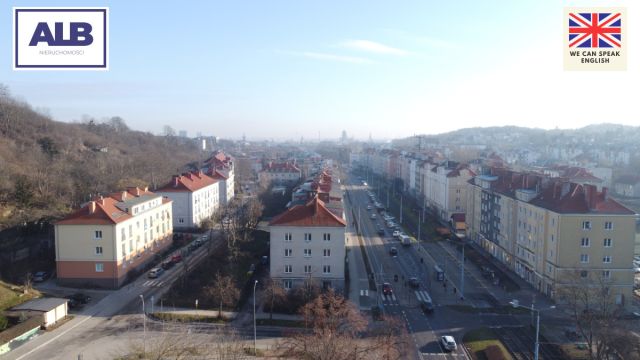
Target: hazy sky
284 69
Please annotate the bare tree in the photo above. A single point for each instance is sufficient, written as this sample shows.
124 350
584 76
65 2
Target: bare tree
223 291
594 311
335 324
272 292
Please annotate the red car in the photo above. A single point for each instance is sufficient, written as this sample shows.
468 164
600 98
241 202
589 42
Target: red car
176 258
386 289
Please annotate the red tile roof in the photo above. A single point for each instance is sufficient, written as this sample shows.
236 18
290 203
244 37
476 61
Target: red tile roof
188 182
104 210
313 213
569 198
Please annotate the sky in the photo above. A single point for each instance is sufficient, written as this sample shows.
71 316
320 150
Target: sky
278 69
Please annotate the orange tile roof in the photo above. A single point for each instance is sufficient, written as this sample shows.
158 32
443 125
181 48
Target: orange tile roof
188 182
313 213
104 210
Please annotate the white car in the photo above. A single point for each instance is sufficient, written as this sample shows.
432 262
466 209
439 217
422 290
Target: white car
396 234
373 216
448 343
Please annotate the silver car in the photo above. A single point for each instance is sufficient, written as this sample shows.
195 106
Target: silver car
448 343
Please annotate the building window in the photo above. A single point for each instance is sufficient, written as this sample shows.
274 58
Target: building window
99 267
287 284
584 242
307 236
606 259
180 220
130 246
288 269
608 225
607 242
326 237
124 249
584 273
326 252
307 252
586 225
606 274
97 234
288 252
326 269
124 235
307 269
584 258
145 224
287 237
98 250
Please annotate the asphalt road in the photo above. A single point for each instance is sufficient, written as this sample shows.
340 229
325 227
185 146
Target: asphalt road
425 330
91 327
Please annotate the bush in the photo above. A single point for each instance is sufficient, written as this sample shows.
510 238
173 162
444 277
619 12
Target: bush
494 352
4 322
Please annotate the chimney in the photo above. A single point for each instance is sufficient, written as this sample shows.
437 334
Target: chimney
592 195
605 194
92 207
124 195
146 189
176 178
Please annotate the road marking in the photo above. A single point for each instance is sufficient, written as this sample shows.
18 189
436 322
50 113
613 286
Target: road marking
364 292
393 297
55 338
418 295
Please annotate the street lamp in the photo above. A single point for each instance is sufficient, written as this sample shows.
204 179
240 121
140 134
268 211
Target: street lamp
144 327
255 351
515 304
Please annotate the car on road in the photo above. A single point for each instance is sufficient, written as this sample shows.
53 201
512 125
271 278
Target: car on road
448 343
381 231
393 251
264 260
386 289
373 216
155 272
414 282
176 258
40 276
369 207
396 234
80 297
168 264
74 304
426 306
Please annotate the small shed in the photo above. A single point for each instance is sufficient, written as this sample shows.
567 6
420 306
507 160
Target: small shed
52 310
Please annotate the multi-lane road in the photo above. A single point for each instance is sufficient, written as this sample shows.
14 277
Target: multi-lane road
418 260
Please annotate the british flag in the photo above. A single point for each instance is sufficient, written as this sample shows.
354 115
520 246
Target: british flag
595 30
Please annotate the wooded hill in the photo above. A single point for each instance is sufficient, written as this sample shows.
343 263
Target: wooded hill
49 167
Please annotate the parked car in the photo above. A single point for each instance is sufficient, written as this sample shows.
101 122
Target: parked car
80 297
396 234
369 207
74 304
40 276
386 289
155 272
167 264
176 258
414 282
393 251
373 216
448 343
264 260
252 269
381 231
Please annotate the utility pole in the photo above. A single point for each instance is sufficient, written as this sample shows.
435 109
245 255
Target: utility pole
400 208
419 226
462 274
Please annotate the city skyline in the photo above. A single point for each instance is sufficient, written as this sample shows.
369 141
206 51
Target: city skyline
271 71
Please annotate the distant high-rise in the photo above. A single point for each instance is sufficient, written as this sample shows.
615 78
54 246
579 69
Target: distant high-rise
182 133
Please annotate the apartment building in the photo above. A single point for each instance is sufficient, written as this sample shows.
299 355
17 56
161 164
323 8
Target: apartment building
447 187
279 173
550 231
220 167
307 243
100 243
195 198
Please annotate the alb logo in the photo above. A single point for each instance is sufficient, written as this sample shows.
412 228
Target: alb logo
79 34
60 38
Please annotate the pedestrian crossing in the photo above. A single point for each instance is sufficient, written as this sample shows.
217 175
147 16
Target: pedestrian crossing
364 292
389 299
153 283
423 296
